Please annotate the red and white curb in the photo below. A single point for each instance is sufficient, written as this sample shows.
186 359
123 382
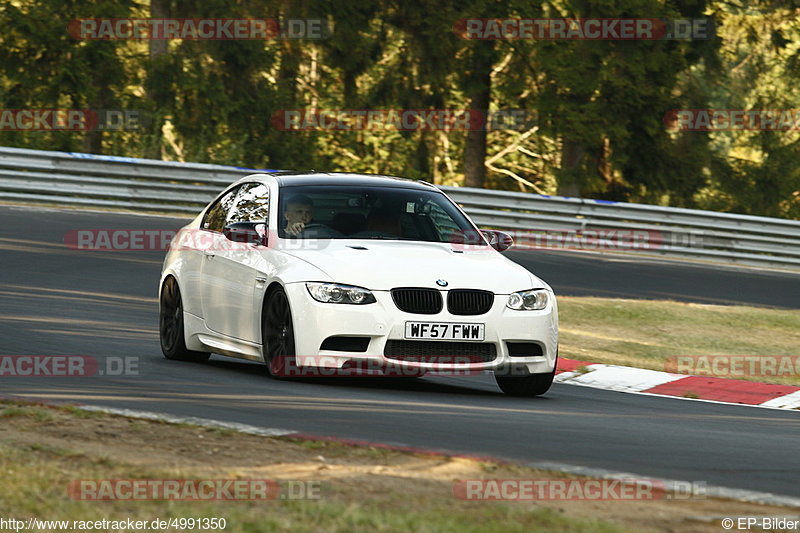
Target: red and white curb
721 390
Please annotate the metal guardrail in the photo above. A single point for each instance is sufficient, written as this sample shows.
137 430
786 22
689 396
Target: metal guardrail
111 181
69 178
726 237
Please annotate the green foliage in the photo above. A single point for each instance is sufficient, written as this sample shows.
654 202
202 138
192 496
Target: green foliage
599 105
42 66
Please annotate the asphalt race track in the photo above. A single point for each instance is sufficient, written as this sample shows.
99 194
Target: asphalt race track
58 301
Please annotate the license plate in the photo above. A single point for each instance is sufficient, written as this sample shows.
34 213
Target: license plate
445 331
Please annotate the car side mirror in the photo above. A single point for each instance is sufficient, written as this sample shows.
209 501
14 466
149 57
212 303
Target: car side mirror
499 240
245 232
468 237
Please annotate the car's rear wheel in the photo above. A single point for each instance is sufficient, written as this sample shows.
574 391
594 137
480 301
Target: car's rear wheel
277 334
530 385
170 325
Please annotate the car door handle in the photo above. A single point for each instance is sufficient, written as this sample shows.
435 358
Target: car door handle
261 280
210 255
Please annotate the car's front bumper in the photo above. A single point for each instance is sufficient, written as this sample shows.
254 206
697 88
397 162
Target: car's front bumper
382 321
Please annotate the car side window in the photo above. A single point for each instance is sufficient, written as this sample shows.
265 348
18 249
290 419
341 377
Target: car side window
251 204
217 215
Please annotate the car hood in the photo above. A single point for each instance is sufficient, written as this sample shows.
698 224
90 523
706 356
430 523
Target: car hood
384 265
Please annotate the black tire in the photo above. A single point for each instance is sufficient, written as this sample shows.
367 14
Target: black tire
528 386
277 335
170 325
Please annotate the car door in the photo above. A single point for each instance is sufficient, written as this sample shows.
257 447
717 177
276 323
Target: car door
194 244
229 270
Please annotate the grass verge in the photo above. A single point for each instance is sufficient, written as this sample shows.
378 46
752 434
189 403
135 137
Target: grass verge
644 333
44 448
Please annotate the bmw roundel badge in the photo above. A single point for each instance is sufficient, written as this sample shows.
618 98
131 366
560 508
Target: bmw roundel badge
441 283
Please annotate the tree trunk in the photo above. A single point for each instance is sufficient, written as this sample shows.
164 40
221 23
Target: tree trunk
479 83
93 139
159 9
291 57
569 182
158 49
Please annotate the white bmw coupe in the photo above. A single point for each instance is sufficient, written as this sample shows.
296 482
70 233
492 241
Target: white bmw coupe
335 270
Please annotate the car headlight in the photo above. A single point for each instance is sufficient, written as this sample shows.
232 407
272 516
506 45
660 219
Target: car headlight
333 293
532 300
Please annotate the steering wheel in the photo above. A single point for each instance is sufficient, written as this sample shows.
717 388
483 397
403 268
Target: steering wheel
305 228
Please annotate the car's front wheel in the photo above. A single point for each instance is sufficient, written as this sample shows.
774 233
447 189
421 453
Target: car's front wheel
277 334
170 325
527 385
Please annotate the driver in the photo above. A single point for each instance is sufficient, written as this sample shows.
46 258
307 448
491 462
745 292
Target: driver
298 214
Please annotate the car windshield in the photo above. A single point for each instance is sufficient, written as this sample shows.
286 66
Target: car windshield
355 212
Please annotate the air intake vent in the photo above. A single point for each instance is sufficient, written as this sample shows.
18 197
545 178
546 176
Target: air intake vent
345 344
440 351
418 301
469 302
524 349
